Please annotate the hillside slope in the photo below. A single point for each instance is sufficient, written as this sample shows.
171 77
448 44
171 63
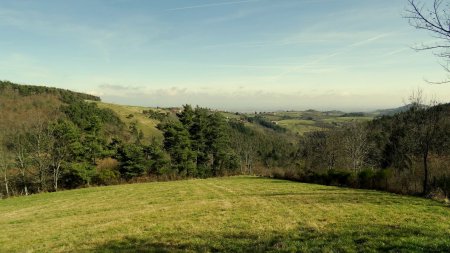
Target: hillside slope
224 214
134 114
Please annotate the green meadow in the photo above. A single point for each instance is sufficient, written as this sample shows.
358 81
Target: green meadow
234 214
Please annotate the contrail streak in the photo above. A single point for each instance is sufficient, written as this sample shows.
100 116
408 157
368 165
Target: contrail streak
342 51
211 5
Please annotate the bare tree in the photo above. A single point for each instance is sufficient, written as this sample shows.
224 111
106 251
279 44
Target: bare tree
425 121
40 141
333 149
356 145
63 135
18 144
5 164
434 17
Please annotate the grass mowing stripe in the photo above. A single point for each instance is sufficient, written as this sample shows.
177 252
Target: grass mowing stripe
223 214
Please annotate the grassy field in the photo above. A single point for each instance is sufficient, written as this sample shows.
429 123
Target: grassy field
143 122
299 126
225 214
302 122
346 119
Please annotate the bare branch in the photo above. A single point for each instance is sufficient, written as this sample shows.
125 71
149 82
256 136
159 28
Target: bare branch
435 19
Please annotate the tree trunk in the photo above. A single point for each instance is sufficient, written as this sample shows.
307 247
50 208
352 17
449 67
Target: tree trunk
6 184
24 181
55 178
425 171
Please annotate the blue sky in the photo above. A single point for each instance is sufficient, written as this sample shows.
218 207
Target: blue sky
225 54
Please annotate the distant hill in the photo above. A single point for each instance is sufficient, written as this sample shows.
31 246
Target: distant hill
392 111
24 105
27 90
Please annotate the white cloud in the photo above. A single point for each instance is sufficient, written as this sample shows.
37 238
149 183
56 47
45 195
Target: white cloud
240 98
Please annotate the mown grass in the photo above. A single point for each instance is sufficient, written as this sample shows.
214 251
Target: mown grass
234 214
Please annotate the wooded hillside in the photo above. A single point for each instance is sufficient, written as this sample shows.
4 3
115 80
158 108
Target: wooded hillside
53 139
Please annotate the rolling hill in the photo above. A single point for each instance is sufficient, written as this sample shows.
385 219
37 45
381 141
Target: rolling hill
224 214
232 214
134 115
108 144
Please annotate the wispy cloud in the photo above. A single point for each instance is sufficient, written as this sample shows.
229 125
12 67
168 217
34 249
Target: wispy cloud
397 51
334 54
309 37
211 5
129 32
118 87
367 41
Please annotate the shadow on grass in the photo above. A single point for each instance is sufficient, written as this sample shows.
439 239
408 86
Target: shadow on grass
208 242
367 238
344 196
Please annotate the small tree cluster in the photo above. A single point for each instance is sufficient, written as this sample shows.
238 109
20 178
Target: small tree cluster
198 143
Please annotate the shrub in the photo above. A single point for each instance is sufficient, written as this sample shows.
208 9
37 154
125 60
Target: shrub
366 178
339 178
381 178
277 173
443 183
107 172
77 175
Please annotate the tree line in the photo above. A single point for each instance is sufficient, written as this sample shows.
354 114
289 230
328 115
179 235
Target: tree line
53 142
78 144
405 153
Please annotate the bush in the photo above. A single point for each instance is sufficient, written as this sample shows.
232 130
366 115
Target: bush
106 177
381 179
443 183
107 172
371 179
339 178
277 173
77 175
366 178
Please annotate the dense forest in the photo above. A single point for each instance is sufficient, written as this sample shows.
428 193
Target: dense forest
53 139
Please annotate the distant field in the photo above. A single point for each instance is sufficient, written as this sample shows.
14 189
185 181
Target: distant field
143 122
299 126
346 119
302 122
299 122
225 214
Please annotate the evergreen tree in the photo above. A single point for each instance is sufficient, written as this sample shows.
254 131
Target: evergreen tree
218 142
186 116
198 135
158 161
178 144
132 161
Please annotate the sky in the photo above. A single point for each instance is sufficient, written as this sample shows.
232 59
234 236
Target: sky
237 55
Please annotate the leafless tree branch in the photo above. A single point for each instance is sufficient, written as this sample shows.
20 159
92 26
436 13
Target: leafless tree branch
435 19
